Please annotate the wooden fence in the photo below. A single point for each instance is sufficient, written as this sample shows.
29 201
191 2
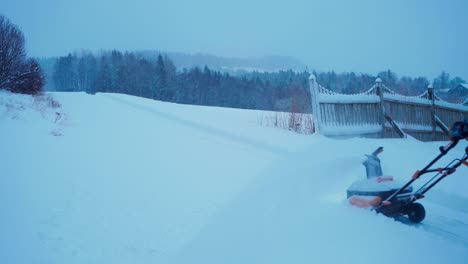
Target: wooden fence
381 112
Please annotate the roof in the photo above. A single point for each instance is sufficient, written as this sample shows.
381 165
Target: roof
464 85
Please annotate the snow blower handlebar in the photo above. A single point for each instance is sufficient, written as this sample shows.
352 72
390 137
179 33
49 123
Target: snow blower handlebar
444 172
418 173
458 131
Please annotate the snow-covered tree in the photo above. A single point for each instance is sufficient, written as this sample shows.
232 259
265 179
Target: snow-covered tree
17 74
30 80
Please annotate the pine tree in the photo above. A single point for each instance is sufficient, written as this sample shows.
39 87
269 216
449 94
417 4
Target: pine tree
103 80
65 74
161 80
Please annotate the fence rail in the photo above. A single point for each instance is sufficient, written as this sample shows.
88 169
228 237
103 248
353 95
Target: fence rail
381 112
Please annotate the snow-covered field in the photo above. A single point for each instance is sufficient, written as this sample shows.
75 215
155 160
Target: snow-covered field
121 179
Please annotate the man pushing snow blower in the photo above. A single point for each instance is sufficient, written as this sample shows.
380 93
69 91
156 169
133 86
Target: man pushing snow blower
384 195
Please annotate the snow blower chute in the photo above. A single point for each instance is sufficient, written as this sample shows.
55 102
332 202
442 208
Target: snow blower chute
393 199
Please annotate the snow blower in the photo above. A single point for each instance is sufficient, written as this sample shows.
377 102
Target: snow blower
394 199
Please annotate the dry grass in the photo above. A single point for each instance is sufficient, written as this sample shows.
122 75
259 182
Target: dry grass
298 122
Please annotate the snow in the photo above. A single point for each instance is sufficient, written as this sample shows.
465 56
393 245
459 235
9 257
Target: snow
249 69
446 90
327 96
39 111
409 99
374 185
414 127
131 180
348 99
451 105
350 129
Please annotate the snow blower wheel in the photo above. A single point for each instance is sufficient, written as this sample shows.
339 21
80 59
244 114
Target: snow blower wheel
416 212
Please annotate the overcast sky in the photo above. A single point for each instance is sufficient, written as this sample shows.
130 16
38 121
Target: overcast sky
410 37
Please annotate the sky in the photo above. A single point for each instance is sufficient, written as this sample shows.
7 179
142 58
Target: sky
415 38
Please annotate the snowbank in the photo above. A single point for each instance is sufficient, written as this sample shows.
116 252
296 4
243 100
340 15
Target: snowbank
132 180
20 112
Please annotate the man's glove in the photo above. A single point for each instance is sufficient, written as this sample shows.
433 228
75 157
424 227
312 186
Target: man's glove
459 130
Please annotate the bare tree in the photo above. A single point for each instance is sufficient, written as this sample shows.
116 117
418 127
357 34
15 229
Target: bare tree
30 80
16 72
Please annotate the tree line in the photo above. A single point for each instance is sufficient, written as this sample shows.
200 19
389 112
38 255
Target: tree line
349 83
158 78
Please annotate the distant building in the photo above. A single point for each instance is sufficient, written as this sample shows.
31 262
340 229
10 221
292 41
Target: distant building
459 93
462 86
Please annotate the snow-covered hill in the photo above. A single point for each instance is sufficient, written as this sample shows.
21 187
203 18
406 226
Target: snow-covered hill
120 179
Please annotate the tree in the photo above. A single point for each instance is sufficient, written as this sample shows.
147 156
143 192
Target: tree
30 80
65 74
144 73
442 81
161 81
86 72
389 78
104 79
420 85
116 60
16 72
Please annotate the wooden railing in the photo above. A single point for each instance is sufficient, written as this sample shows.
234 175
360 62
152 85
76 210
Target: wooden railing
381 112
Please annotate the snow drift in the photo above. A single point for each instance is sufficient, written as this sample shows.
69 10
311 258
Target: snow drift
131 180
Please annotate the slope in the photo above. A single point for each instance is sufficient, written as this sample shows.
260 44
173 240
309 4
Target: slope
132 180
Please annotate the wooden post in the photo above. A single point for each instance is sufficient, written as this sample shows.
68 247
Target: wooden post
379 91
430 94
314 98
442 126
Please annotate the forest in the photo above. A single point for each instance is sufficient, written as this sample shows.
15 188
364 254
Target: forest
157 77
